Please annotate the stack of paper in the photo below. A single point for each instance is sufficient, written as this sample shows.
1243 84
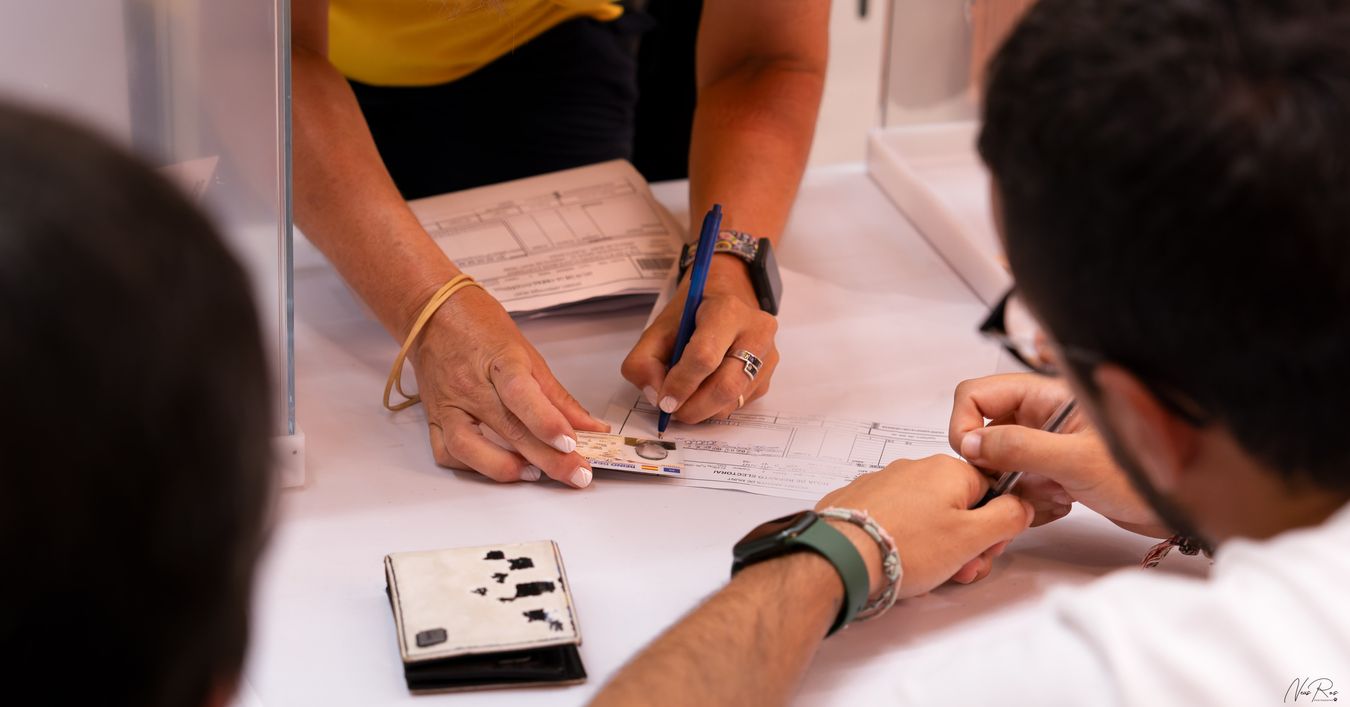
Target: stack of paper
581 240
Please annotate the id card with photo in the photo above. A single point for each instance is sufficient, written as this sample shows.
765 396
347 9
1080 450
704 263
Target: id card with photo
658 457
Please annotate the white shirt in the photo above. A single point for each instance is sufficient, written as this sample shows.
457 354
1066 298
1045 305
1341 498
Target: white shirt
1271 613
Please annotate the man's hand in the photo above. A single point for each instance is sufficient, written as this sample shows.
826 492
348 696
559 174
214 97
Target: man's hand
473 366
925 506
1072 465
750 642
705 383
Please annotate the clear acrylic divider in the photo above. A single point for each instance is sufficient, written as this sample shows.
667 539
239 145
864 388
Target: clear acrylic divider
200 89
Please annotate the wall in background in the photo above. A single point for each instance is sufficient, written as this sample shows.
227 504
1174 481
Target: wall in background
928 75
852 100
46 49
925 76
193 83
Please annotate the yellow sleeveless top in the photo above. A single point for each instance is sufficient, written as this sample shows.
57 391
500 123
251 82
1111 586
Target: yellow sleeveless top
426 42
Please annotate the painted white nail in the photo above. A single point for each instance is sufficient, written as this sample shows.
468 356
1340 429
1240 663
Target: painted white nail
669 404
565 444
650 394
581 478
531 473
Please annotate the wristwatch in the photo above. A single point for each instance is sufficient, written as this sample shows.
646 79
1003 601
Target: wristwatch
757 253
808 531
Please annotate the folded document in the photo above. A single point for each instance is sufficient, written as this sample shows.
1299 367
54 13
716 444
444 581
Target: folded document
579 240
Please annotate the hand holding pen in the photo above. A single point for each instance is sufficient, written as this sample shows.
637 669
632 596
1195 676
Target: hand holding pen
1069 465
730 358
698 278
1008 479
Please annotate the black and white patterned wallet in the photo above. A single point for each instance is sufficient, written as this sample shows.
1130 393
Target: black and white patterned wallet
482 617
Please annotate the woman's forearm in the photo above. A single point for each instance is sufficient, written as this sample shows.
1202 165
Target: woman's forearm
752 136
348 206
758 97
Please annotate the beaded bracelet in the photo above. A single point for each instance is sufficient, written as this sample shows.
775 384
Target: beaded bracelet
890 559
395 380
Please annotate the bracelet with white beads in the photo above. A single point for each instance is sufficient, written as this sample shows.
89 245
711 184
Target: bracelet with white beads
890 559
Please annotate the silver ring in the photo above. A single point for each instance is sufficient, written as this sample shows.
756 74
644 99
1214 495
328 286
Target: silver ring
752 362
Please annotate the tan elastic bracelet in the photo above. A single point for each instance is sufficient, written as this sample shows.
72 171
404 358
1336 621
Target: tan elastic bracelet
448 290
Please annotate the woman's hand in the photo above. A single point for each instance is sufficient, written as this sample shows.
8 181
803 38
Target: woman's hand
474 367
1071 465
706 383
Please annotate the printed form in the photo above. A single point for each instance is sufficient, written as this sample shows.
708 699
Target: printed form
777 453
592 236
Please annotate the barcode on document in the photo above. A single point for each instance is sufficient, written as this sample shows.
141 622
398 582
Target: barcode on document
654 264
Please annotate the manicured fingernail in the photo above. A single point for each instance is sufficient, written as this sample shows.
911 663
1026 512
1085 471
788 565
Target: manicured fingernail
1062 499
669 404
581 478
598 421
531 473
1060 512
650 394
565 444
970 445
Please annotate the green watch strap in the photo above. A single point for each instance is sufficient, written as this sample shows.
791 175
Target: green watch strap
834 546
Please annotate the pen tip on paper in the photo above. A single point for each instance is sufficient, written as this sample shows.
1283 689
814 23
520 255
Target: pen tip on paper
660 435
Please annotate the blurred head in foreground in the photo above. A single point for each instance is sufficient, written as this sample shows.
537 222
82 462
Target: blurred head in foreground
135 440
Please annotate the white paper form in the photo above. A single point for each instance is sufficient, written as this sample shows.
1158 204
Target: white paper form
780 454
590 234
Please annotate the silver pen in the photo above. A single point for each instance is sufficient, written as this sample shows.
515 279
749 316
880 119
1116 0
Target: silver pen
1008 479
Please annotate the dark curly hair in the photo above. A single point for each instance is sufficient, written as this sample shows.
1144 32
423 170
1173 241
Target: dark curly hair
1175 187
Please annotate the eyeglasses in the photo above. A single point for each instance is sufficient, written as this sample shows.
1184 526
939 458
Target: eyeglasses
1012 324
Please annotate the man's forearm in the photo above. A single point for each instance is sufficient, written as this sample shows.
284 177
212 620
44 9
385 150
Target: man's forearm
347 205
751 139
748 644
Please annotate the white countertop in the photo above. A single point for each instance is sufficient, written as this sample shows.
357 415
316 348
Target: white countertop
874 326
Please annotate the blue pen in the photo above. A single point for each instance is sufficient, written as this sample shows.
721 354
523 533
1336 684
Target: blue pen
698 277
